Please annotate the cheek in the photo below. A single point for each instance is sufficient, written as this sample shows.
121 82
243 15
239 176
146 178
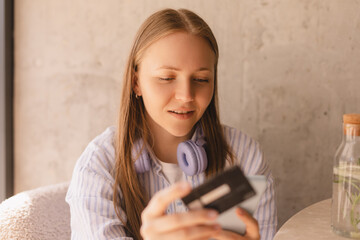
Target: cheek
206 96
154 94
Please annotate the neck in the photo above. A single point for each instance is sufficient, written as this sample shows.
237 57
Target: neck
165 144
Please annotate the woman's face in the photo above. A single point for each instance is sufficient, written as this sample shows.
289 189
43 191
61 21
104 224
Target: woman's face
176 81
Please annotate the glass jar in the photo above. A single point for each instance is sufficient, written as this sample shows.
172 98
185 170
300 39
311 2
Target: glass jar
346 180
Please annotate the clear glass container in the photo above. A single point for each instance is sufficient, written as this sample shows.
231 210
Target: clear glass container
346 180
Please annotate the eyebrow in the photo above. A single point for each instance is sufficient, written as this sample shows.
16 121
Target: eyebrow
177 69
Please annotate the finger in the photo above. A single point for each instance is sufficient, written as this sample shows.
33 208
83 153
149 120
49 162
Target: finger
161 200
227 235
252 226
184 220
191 233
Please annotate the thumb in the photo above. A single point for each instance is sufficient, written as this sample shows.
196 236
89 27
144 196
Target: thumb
161 200
252 226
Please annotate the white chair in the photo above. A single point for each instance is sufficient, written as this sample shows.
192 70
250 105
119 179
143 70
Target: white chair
41 213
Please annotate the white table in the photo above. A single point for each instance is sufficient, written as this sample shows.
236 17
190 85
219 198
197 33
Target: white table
313 222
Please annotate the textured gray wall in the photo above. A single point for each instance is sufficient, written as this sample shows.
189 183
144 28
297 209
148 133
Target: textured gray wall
288 71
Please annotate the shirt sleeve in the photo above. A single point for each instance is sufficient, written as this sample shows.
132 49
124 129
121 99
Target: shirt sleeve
90 197
251 160
266 213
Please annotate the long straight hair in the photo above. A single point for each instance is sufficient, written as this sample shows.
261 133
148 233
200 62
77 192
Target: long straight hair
129 196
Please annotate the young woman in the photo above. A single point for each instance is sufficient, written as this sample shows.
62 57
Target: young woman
128 182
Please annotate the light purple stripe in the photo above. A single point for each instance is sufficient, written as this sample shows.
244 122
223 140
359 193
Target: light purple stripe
243 152
240 138
253 158
248 150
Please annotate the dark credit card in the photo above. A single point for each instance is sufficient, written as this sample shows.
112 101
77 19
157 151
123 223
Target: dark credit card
221 192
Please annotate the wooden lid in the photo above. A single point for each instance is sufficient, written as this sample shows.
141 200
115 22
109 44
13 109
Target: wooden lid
352 118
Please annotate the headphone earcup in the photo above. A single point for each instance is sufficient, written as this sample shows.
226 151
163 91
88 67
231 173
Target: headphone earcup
191 158
142 164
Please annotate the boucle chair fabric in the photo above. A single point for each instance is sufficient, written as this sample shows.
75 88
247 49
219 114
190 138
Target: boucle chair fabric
41 213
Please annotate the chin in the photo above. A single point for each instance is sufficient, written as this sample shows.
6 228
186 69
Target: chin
180 131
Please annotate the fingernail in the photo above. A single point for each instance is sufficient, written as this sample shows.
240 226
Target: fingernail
212 214
240 211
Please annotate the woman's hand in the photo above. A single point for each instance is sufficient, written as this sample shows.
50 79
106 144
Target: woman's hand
199 224
252 228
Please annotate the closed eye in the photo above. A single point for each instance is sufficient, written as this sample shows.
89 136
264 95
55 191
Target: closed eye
166 79
201 79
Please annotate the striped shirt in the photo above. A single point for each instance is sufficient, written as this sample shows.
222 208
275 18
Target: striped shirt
90 194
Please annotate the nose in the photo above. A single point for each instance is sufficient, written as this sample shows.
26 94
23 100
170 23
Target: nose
184 91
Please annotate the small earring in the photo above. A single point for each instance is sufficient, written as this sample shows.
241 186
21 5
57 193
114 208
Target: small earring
136 96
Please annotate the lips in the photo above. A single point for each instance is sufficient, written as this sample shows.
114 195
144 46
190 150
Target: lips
182 114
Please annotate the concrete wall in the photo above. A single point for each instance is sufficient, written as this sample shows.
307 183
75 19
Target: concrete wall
288 71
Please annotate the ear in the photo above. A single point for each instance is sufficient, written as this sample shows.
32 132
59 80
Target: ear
135 84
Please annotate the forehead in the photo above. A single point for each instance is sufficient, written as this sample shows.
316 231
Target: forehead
180 50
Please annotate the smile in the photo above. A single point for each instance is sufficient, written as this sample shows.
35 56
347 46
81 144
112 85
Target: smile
181 112
182 115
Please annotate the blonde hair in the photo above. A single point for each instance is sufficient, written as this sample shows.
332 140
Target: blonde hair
132 124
